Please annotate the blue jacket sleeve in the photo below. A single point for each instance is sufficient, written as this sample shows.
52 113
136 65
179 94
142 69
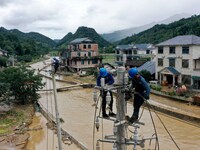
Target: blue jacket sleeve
146 86
110 79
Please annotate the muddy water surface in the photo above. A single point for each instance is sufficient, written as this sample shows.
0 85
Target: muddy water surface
78 115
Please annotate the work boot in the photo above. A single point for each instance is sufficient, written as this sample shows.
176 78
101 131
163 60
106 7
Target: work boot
133 119
112 114
105 116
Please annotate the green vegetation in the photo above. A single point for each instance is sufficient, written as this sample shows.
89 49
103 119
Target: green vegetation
28 45
160 33
3 61
108 58
10 119
146 74
23 84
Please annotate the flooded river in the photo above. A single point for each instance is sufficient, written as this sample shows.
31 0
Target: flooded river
75 108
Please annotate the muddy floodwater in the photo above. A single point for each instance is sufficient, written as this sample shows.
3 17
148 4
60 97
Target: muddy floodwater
75 108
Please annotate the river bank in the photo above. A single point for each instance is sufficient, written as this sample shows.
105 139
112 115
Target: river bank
14 124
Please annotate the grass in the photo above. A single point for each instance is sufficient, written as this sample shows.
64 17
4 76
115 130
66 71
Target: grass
108 58
11 119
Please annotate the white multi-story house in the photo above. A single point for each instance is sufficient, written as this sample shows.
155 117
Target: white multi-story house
178 61
133 52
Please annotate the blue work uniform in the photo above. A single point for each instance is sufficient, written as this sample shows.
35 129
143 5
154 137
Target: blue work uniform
141 87
108 80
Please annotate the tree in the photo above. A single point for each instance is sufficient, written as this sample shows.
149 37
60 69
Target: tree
3 61
146 74
23 83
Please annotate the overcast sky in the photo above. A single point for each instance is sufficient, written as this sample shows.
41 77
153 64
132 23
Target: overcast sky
55 18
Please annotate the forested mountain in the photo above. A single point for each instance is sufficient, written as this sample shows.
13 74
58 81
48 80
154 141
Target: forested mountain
121 34
17 42
84 32
162 32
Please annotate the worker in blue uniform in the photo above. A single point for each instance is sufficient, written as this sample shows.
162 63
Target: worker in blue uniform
109 80
56 64
142 91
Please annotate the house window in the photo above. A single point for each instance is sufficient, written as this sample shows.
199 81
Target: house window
84 46
185 63
160 50
160 62
89 46
117 52
186 79
82 62
172 62
147 51
89 54
88 62
172 50
95 61
75 62
79 53
185 50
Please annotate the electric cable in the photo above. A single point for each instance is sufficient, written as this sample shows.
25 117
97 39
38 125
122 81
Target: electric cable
164 126
154 126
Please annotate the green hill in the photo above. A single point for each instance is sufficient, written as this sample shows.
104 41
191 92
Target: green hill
84 32
159 33
15 41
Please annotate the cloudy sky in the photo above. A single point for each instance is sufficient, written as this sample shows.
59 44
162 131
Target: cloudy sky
55 18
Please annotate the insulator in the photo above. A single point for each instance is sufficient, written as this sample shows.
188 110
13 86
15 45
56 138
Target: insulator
126 78
114 129
135 137
102 82
95 96
97 123
114 146
97 146
108 98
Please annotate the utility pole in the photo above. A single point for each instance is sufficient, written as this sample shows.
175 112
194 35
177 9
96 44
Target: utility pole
56 109
120 105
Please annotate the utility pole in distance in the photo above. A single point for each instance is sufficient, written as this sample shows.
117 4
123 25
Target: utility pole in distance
56 109
120 105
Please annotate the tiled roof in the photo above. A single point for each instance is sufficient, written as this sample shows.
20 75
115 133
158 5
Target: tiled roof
172 70
149 66
181 40
135 63
142 46
124 47
80 40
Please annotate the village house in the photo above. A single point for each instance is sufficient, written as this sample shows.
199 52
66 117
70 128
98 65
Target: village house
81 53
178 61
131 54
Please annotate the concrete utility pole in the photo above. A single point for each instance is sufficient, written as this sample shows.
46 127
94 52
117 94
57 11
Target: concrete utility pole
57 114
120 104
